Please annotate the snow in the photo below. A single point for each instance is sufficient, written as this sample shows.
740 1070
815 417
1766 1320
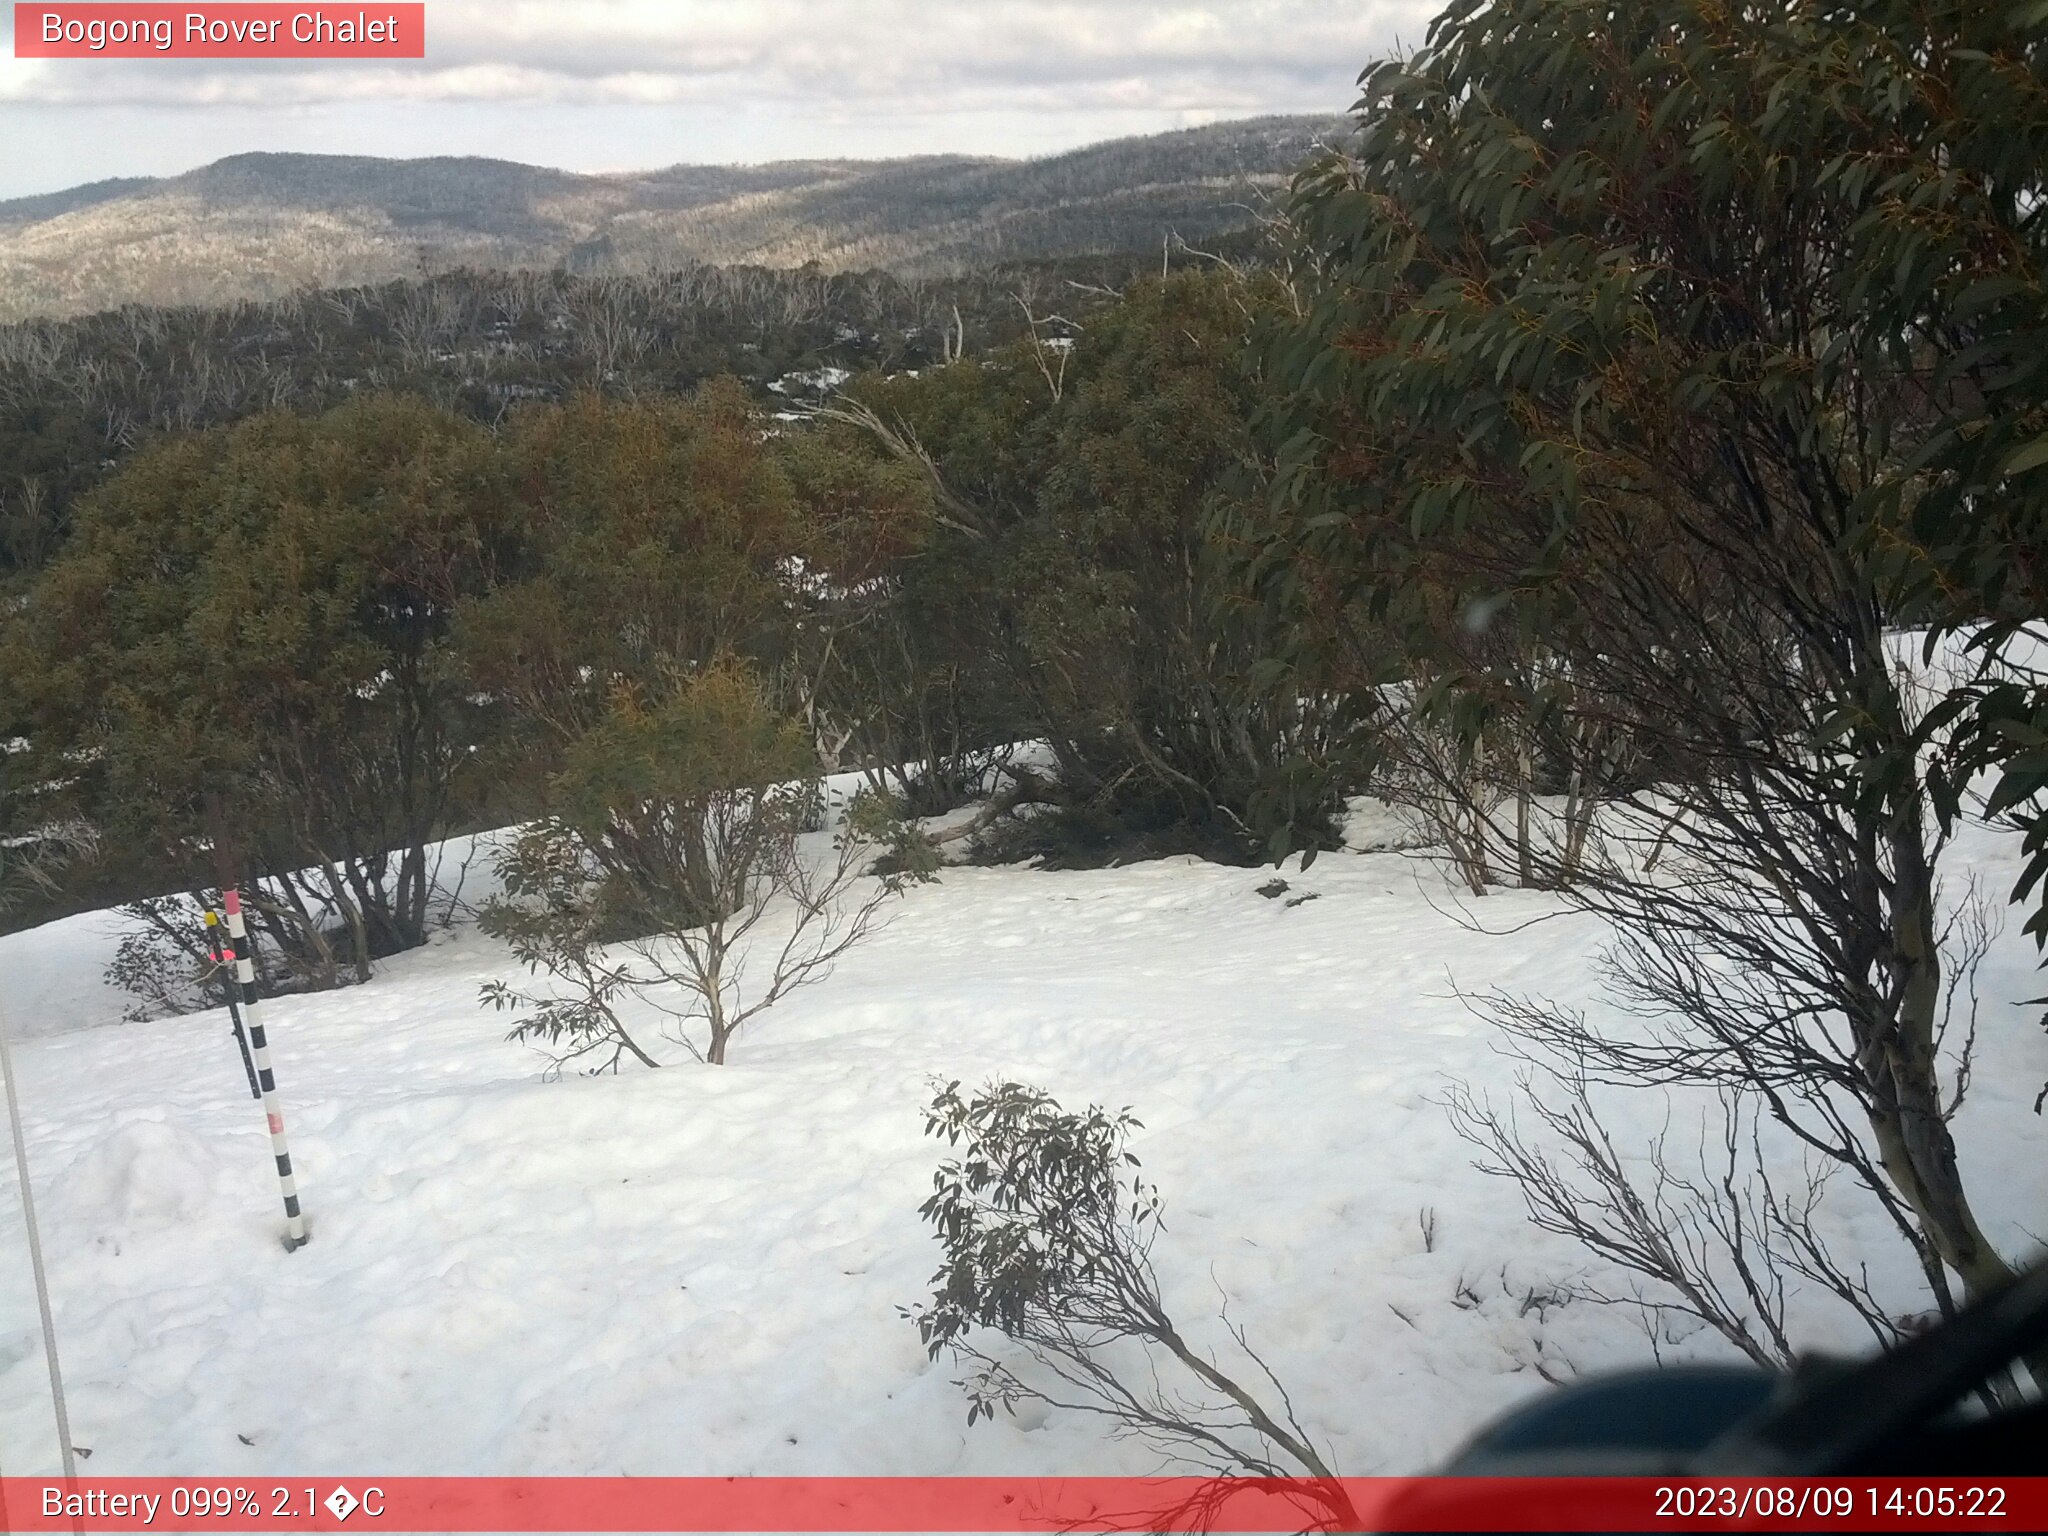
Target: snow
51 977
811 381
699 1270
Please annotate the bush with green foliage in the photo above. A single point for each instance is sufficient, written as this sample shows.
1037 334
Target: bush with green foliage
671 870
240 668
1089 487
1047 1229
647 642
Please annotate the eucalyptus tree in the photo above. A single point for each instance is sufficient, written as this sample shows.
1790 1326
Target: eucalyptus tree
1637 352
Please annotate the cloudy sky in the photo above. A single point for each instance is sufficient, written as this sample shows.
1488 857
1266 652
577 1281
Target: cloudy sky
621 84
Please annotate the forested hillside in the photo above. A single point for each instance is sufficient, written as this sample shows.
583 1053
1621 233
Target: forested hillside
258 226
78 395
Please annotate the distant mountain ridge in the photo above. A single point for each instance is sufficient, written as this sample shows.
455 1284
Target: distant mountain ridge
260 225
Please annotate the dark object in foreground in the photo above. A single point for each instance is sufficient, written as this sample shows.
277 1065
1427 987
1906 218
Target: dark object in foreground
1918 1410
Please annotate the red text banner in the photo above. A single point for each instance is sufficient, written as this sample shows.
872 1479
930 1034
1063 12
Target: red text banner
232 31
929 1504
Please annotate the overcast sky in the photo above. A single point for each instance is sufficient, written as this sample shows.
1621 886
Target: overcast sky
623 84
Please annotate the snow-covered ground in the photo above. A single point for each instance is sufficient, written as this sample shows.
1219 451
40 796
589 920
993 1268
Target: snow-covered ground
699 1270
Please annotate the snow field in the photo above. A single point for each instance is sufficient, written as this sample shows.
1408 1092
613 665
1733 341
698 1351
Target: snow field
699 1270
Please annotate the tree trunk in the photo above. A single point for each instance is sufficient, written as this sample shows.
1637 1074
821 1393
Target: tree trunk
414 892
1525 873
712 979
352 914
1912 1130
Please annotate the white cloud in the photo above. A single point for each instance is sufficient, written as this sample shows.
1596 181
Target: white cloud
822 50
963 69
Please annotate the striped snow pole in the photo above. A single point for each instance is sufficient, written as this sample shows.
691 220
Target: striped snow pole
233 990
242 953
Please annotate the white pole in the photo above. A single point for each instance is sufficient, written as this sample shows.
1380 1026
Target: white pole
35 1261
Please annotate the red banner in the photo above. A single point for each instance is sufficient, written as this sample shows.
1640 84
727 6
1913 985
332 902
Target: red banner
1022 1504
373 30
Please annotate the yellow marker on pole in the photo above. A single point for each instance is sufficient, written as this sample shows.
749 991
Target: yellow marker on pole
213 950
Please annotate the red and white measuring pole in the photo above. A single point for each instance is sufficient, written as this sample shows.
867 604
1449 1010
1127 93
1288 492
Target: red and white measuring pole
242 953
